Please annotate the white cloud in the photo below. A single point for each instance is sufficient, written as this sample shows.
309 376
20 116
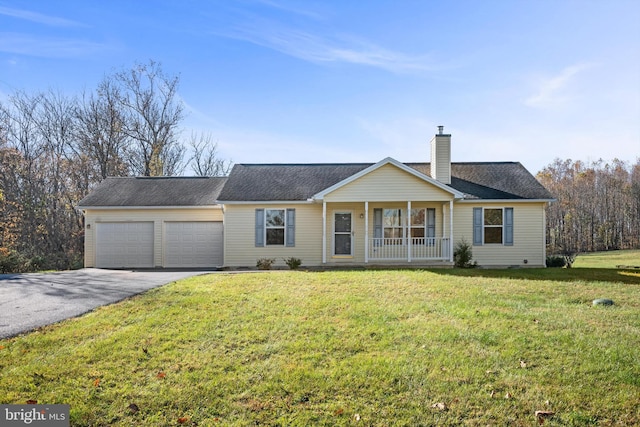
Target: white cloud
289 9
38 17
321 49
47 47
553 90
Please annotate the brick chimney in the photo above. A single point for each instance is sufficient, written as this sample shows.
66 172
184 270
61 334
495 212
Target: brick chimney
441 156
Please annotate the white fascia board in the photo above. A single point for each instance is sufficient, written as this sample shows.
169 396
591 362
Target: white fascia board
506 201
456 194
102 208
267 202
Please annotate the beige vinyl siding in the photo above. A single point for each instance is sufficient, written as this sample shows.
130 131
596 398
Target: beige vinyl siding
528 235
387 183
441 158
239 236
157 216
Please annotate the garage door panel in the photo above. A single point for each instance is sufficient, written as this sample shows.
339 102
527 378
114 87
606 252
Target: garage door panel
193 244
124 244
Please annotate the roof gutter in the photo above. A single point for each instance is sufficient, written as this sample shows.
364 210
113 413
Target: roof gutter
263 202
507 200
84 208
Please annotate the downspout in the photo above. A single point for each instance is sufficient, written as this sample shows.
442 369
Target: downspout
324 232
544 234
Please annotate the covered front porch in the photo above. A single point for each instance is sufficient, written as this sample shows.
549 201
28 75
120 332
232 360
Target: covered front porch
381 233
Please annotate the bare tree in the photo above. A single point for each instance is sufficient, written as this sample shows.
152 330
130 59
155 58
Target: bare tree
597 205
152 113
99 132
205 160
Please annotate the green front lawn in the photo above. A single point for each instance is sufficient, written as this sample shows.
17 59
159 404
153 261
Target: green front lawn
346 348
609 259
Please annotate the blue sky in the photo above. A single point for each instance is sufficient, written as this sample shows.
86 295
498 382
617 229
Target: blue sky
357 81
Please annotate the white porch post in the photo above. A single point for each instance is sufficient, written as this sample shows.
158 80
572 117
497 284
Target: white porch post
324 232
366 232
450 230
408 230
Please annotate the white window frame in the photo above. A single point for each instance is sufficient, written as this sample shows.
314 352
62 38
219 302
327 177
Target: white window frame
283 227
401 226
485 226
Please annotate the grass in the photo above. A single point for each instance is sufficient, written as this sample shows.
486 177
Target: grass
609 259
346 348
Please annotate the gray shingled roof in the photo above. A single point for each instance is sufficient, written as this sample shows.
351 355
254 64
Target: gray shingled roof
275 182
492 180
280 182
299 182
156 191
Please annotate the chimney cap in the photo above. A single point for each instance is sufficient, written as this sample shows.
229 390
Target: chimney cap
440 129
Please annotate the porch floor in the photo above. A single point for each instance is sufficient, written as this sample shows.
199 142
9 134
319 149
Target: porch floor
379 265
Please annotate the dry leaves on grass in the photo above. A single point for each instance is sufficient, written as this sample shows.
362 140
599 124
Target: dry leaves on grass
183 420
541 416
440 405
96 383
161 375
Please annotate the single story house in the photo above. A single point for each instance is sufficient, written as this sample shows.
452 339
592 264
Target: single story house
333 214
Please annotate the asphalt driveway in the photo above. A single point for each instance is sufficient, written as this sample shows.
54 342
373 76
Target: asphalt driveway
28 301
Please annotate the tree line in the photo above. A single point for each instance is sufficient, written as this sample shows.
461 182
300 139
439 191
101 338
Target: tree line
597 205
54 148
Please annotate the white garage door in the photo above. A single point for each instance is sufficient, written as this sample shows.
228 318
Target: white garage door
124 244
193 244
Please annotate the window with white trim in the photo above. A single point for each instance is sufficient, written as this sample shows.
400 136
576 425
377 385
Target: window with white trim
423 224
418 223
274 225
392 226
493 226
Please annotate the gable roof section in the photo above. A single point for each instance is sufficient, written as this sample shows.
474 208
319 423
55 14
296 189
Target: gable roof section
492 180
154 192
399 165
301 182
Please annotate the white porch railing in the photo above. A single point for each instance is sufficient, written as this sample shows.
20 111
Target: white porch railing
409 249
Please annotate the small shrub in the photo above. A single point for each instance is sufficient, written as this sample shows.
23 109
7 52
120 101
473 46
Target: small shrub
11 261
265 263
463 254
569 258
293 263
555 261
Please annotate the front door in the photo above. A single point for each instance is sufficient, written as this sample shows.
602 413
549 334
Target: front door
342 234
